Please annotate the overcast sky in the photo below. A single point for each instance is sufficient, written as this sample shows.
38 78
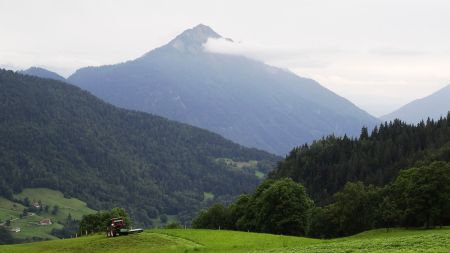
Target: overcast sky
379 54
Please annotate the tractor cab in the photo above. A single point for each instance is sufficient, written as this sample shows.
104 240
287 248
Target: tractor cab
115 227
117 222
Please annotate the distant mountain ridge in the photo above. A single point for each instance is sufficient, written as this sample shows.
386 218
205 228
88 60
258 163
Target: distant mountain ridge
43 73
244 100
55 135
433 106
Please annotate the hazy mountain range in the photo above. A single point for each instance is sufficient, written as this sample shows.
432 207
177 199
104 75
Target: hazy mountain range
242 99
41 72
432 106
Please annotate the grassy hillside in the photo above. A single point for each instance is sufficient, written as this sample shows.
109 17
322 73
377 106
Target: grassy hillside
28 224
75 207
397 240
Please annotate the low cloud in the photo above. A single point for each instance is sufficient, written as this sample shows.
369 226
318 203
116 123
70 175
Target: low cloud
390 51
282 56
64 65
391 74
9 67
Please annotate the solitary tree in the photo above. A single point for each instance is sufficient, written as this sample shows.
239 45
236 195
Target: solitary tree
55 210
283 208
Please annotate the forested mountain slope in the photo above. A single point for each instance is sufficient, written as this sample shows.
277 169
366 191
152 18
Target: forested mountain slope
58 136
244 100
328 164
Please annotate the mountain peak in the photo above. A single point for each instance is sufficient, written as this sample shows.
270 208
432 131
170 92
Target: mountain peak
192 40
204 29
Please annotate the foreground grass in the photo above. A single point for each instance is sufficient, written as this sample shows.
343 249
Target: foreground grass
233 241
398 240
145 242
177 240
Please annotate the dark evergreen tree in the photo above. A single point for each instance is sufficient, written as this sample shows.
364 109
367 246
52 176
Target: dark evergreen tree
55 210
325 166
5 236
71 227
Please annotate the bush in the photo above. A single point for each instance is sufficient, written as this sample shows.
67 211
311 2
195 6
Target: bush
173 225
98 222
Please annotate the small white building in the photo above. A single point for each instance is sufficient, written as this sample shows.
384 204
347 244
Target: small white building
16 230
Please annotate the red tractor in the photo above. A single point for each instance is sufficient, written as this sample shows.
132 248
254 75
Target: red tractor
117 227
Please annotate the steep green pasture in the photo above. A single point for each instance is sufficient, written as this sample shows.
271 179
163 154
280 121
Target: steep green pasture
29 224
178 240
75 207
9 209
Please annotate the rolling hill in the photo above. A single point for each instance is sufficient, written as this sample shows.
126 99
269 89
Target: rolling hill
244 100
433 106
167 241
57 136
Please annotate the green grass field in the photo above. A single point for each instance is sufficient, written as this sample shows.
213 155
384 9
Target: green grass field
75 207
178 240
248 165
28 225
9 209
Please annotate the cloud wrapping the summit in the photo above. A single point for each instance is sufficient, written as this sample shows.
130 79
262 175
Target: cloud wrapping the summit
366 51
276 55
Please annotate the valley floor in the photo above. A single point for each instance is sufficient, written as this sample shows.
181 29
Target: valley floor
396 240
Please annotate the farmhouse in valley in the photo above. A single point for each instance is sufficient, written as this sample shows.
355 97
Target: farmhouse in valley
45 222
